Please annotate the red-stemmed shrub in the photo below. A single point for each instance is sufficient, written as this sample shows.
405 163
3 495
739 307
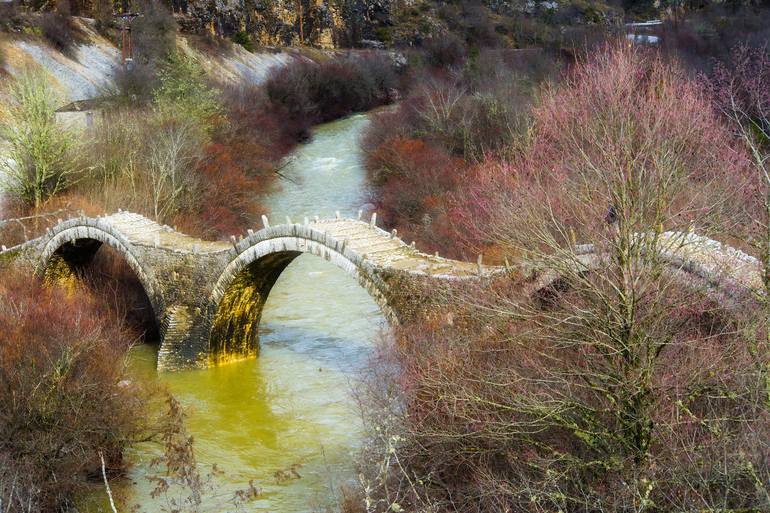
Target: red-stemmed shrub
739 86
415 179
490 413
228 196
624 115
424 153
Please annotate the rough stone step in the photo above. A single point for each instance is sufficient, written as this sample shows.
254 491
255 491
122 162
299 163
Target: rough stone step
362 242
373 249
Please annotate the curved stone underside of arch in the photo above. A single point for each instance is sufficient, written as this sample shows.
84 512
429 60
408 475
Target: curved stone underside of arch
70 246
234 332
208 295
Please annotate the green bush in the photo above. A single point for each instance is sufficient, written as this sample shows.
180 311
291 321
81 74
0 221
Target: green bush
244 39
38 161
183 94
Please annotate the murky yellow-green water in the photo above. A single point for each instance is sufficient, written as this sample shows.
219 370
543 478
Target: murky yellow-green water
287 419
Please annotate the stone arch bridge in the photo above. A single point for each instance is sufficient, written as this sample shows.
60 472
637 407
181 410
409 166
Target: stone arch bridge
207 297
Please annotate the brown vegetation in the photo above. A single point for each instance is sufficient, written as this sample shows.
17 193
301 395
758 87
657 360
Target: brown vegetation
64 395
306 93
739 91
421 154
60 31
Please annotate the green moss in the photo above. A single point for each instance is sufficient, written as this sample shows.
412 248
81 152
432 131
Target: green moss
59 272
383 34
32 30
8 258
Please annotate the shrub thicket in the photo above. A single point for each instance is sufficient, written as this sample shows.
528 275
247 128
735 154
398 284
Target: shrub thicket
196 158
244 39
60 31
740 92
63 398
458 121
621 386
183 95
306 93
444 51
699 36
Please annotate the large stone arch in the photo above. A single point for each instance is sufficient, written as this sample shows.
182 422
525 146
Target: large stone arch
93 233
240 291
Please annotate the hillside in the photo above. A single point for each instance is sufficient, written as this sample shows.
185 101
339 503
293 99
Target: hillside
400 23
88 69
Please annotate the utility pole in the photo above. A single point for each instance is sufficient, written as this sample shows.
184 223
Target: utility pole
301 27
126 50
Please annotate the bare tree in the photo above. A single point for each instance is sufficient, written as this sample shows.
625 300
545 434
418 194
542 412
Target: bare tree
599 376
171 171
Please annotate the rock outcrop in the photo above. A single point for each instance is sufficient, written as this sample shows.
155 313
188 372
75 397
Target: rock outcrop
318 23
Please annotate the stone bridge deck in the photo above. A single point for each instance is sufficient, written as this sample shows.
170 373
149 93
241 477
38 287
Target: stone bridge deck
207 296
378 247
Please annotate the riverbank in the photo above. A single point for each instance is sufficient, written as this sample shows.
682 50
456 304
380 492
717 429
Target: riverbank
203 156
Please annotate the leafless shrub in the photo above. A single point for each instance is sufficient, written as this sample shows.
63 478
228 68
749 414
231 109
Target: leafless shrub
444 51
60 31
588 384
739 90
63 399
171 163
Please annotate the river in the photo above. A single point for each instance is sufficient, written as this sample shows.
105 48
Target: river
288 419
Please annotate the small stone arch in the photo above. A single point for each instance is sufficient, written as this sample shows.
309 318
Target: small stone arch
95 231
722 276
239 294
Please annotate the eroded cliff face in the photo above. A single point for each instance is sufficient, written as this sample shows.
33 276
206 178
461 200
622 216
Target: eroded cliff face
318 23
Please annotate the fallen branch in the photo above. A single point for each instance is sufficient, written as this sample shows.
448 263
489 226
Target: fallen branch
107 484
